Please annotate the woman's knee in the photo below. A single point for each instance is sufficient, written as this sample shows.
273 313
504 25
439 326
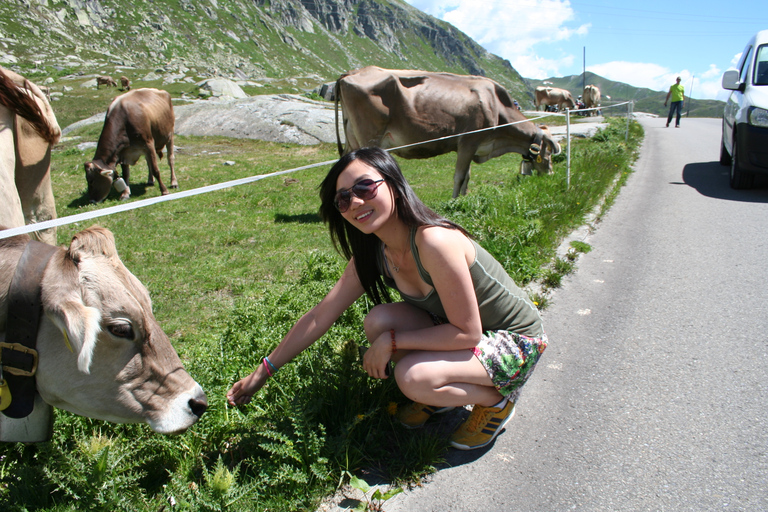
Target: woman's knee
395 315
378 320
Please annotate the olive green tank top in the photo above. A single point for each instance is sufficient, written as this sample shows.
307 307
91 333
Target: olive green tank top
503 305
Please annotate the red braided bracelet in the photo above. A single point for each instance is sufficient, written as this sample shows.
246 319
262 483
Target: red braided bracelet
394 345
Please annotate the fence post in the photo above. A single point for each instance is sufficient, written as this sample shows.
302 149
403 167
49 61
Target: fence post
568 149
629 113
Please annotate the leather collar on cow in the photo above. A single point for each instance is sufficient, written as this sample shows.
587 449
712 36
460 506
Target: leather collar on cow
534 150
18 354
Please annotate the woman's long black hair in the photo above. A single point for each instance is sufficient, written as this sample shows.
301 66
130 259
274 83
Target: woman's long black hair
350 241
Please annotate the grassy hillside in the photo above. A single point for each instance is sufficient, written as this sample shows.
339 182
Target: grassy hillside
257 41
646 100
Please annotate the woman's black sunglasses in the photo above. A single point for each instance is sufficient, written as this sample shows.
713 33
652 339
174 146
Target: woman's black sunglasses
364 189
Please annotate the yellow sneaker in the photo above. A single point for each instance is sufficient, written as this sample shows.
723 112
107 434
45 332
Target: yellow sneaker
414 415
482 426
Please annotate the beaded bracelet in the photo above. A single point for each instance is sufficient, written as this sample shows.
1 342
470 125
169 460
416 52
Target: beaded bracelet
267 365
394 345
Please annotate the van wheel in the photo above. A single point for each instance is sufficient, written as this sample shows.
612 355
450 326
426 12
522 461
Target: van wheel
725 158
740 180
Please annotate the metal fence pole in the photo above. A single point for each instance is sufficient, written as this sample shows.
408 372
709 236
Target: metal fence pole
568 149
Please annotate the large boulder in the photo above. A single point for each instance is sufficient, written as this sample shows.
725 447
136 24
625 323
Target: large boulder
221 88
278 118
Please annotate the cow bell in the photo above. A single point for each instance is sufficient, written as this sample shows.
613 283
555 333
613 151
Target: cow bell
526 168
120 185
5 395
35 428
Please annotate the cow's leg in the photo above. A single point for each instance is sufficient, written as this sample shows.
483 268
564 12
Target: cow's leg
152 165
125 194
171 161
33 179
461 175
10 206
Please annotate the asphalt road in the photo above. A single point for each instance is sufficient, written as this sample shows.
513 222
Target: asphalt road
653 393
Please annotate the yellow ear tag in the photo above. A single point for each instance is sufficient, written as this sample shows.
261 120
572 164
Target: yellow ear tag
5 395
66 340
538 159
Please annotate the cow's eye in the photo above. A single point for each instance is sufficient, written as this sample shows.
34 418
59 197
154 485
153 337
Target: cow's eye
121 330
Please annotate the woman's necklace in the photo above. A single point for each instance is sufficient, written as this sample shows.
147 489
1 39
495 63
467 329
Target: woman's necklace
391 260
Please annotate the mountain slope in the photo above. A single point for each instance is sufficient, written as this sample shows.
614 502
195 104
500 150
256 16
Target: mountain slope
242 39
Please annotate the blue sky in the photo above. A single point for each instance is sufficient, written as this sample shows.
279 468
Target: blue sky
644 44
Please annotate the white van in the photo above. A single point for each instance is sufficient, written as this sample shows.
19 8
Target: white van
745 119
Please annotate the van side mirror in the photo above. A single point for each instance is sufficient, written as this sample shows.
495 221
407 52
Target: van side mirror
731 80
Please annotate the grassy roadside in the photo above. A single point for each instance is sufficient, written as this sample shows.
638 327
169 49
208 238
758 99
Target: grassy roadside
229 272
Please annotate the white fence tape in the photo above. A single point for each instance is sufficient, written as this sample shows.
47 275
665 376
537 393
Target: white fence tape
103 212
71 219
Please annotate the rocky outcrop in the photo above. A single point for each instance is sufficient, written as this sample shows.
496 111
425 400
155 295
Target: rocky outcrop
237 39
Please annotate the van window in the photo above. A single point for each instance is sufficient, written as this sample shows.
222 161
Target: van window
761 66
745 67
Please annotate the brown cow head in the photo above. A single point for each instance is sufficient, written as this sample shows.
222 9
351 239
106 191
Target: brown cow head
102 352
540 153
100 179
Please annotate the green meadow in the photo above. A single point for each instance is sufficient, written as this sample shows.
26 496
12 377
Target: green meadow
229 272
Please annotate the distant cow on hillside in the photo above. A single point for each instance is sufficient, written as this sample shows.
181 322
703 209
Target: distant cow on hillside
592 98
105 80
391 108
555 97
125 84
139 122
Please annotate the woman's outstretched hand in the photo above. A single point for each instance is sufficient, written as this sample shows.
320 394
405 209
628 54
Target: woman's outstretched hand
245 388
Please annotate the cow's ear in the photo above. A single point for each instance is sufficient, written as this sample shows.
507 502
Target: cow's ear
80 326
91 242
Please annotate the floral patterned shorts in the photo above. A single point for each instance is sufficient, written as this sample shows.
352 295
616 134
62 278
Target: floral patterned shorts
509 359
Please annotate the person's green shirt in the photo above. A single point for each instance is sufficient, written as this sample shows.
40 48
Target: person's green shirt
677 92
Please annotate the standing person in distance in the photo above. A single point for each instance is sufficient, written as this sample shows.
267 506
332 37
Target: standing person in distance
677 94
464 333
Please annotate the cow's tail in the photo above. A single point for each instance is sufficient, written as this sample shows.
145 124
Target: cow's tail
337 96
21 101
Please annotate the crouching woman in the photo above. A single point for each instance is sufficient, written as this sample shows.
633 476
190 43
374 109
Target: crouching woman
464 332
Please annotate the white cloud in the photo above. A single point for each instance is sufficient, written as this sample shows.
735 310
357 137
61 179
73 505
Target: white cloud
638 74
712 72
659 78
538 67
512 32
735 59
519 31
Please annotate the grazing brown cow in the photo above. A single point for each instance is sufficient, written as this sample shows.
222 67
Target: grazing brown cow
125 84
392 108
555 97
105 80
28 131
139 122
591 98
100 351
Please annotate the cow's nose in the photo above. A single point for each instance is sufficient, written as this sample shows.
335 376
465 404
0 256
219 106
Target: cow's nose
198 406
